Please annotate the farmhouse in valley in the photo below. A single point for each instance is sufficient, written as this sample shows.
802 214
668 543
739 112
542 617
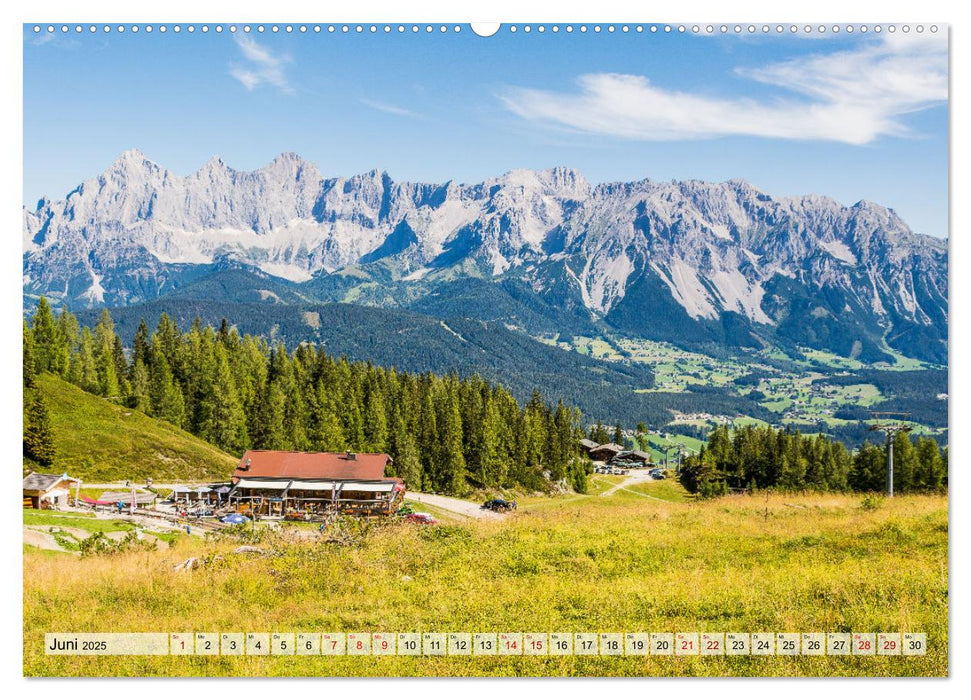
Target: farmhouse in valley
271 483
48 490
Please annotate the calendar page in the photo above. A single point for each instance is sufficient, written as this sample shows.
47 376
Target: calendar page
517 349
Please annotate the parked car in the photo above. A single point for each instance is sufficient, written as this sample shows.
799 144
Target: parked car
499 505
420 518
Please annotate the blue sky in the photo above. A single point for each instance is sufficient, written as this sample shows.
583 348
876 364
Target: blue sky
852 117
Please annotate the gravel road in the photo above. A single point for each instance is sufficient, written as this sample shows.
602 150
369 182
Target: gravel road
453 505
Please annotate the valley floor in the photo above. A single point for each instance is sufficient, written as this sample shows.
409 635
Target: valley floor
610 561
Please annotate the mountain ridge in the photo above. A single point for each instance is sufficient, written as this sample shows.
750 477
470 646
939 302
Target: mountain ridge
702 255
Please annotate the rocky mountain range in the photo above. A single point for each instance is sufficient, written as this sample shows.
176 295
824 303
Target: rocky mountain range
687 261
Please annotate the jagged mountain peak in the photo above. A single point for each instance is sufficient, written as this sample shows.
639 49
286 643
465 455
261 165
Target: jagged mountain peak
133 160
214 163
709 248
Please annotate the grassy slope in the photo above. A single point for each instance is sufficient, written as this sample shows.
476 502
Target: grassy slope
81 521
616 563
99 440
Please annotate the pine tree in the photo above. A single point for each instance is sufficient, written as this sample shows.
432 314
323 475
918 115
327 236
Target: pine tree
138 396
407 464
69 335
353 423
38 431
599 434
46 339
869 468
29 357
451 461
83 370
172 407
121 363
275 434
904 463
327 433
165 395
427 431
930 474
141 345
226 427
104 356
375 420
488 459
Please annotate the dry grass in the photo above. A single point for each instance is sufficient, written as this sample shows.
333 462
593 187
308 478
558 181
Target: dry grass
620 563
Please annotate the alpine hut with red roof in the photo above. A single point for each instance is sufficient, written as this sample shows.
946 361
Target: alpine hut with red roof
309 485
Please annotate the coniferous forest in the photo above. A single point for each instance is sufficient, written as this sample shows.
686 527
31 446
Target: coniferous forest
760 457
446 434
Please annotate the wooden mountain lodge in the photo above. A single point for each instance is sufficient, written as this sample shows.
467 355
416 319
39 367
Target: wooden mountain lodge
605 453
49 491
310 485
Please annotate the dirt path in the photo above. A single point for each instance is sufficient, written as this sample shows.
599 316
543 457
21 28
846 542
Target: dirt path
453 505
646 495
635 478
75 532
42 540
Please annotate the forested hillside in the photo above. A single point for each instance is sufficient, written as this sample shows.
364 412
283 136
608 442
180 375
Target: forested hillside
445 433
97 439
762 457
415 343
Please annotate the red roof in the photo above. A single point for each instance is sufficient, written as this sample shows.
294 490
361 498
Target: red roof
313 465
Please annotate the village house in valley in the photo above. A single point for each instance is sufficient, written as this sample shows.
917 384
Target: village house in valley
271 483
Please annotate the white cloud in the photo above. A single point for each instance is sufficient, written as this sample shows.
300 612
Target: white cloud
389 108
848 96
262 67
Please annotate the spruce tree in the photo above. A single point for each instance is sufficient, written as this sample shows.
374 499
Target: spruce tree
375 420
165 395
172 407
227 424
45 338
104 356
275 435
451 461
69 335
29 357
618 436
904 463
407 464
138 395
141 345
38 431
930 470
83 370
599 434
327 433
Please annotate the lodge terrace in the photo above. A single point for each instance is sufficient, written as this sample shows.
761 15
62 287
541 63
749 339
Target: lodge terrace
313 485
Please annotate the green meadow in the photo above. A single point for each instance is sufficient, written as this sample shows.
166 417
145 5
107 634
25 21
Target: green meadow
644 558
